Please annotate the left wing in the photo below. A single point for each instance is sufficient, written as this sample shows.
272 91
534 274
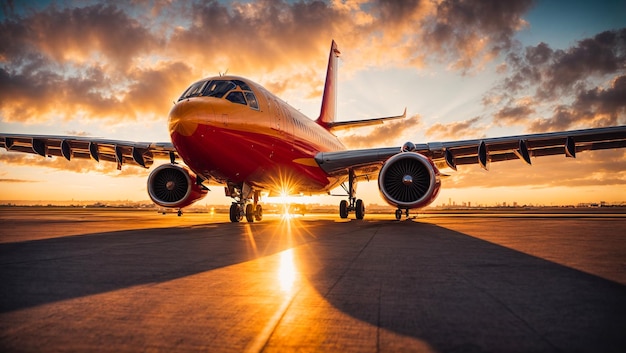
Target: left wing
122 152
480 151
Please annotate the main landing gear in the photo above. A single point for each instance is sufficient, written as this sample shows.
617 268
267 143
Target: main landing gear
352 204
355 205
242 206
399 213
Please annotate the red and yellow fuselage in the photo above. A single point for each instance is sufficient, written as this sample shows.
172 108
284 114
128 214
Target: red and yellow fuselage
244 134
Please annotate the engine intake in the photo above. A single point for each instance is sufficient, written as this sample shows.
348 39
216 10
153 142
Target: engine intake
409 180
172 185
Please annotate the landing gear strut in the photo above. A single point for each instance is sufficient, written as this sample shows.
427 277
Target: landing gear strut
244 206
352 204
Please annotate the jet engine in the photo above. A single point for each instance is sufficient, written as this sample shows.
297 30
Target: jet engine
409 180
172 185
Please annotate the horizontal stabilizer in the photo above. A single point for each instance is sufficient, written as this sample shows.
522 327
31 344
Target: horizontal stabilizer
342 125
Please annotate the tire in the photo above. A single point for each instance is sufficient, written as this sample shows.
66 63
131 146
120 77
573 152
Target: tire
234 213
250 213
360 209
258 214
343 209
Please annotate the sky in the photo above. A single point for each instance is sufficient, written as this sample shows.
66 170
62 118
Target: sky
463 69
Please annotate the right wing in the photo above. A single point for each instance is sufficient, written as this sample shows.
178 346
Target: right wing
479 151
121 152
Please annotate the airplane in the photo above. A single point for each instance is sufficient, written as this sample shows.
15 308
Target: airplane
231 131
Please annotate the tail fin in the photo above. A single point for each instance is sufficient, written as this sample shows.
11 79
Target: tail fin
329 99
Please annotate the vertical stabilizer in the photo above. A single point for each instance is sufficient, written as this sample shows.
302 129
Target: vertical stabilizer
329 99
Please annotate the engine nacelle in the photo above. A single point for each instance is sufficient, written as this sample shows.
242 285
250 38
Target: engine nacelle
172 185
409 180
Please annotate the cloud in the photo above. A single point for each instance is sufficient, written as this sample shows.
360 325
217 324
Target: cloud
472 32
17 181
130 60
581 86
516 114
78 133
386 134
556 72
457 130
78 34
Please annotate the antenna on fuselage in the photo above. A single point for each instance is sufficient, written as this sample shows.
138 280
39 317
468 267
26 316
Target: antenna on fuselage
224 74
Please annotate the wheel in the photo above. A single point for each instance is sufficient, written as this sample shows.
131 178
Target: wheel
258 215
250 212
360 209
398 214
343 209
235 215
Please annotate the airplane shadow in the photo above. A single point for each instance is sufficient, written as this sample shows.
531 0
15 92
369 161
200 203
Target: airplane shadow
461 293
50 270
454 291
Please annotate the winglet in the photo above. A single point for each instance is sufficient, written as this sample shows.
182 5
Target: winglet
329 99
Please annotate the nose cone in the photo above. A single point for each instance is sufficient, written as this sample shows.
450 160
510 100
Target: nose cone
187 114
183 119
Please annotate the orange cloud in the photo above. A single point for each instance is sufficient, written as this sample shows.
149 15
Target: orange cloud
381 135
457 130
107 62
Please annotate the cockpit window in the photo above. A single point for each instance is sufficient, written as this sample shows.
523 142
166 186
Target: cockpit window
194 90
236 97
218 89
244 86
240 91
252 100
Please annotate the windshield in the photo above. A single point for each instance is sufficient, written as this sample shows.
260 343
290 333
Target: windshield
194 90
236 91
218 89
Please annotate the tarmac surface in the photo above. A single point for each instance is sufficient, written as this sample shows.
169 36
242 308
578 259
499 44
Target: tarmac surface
137 281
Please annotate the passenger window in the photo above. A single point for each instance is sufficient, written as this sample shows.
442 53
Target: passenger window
236 97
252 100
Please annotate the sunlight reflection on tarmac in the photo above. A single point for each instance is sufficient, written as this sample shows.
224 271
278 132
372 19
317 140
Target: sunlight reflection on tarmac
141 281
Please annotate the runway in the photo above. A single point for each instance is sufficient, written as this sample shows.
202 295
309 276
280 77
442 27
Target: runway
116 281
